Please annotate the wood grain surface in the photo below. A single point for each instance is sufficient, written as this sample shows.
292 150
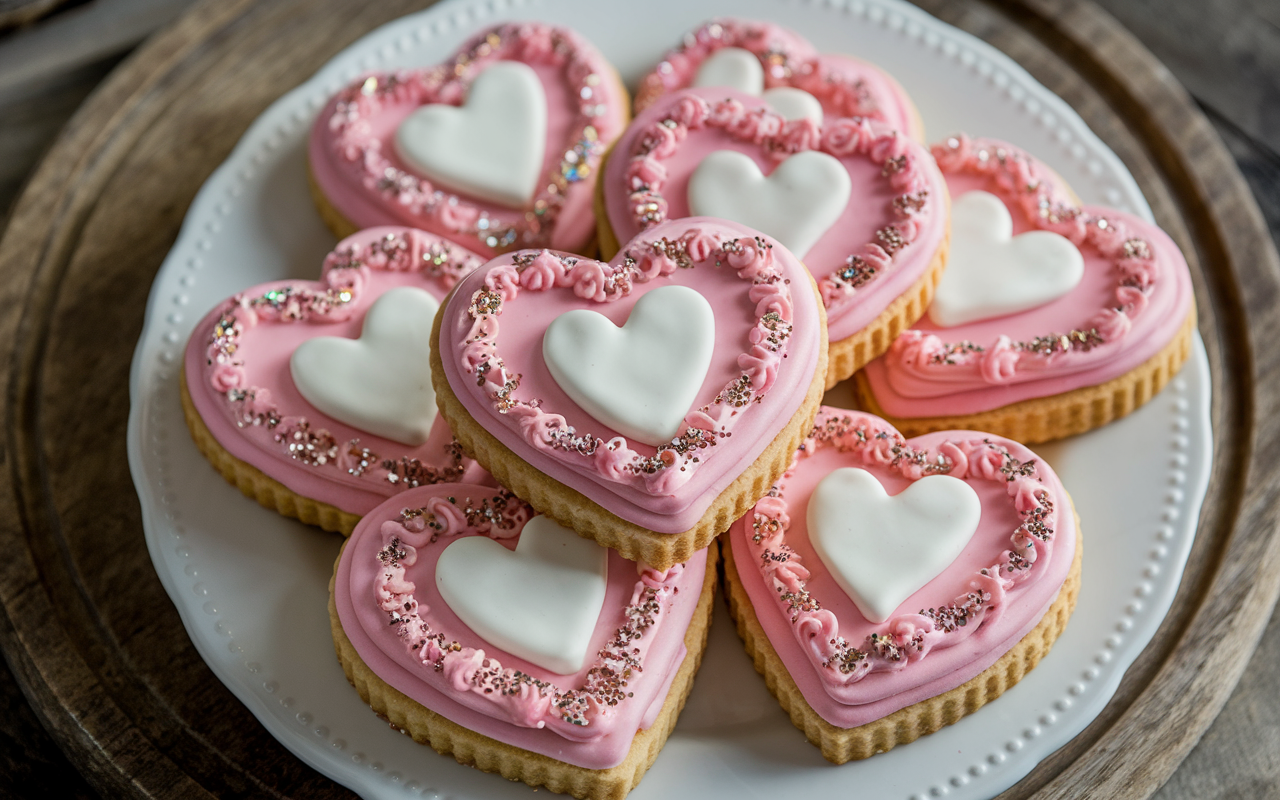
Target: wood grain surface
100 652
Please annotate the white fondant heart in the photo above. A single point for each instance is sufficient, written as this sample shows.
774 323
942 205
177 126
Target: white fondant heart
490 147
796 204
739 69
793 103
540 602
381 382
882 549
732 68
990 272
642 378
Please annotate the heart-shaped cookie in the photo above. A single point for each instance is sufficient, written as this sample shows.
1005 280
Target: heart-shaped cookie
450 660
1067 365
991 272
291 405
490 161
871 236
764 59
1008 569
882 549
378 383
514 407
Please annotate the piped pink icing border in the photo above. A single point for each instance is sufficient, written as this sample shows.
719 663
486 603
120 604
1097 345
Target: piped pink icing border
344 133
844 86
906 639
750 120
675 462
1020 180
618 694
346 272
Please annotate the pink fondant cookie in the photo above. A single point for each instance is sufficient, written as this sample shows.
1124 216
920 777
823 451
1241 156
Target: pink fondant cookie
314 397
514 645
761 58
1052 319
887 587
864 207
495 149
646 402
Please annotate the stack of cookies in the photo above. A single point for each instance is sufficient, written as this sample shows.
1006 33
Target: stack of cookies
564 375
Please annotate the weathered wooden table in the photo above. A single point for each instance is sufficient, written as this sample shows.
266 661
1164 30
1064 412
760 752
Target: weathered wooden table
1226 53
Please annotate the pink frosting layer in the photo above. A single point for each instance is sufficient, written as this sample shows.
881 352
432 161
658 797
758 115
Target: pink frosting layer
238 376
353 156
405 632
768 339
845 86
852 671
1135 296
879 247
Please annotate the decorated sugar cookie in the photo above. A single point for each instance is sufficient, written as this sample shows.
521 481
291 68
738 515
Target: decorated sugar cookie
770 61
496 149
890 586
513 644
315 397
863 206
644 402
1051 319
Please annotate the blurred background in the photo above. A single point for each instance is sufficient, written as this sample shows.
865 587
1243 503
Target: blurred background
53 53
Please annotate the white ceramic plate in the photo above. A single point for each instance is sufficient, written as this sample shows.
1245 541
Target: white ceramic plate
251 586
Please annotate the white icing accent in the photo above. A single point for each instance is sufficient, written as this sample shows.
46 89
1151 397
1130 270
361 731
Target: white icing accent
735 68
796 204
882 549
539 603
642 378
491 147
793 103
990 272
732 68
381 382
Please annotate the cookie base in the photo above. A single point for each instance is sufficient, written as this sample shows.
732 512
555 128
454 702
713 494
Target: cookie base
517 764
333 218
852 353
1044 419
256 484
840 745
590 520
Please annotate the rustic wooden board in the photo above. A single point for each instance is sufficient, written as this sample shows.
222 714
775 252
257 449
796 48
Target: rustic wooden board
90 633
